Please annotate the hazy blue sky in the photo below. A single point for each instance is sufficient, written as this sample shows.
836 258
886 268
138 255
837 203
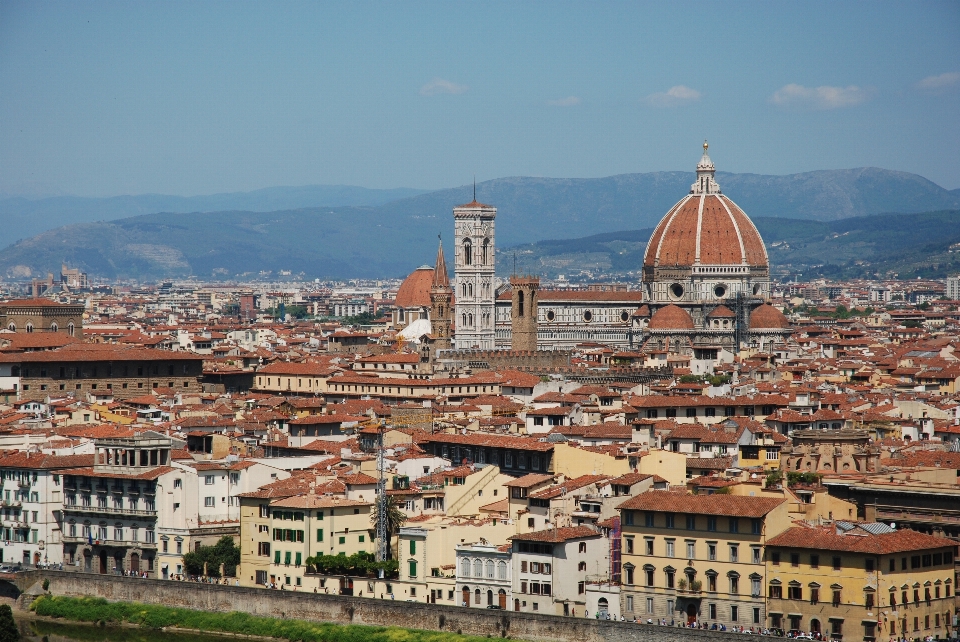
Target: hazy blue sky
188 98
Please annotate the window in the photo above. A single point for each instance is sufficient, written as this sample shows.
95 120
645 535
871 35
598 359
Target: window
628 545
668 520
734 553
755 554
755 586
775 558
836 563
648 519
208 480
794 592
836 628
712 582
868 599
627 569
815 594
649 605
413 547
734 525
815 561
712 524
836 597
319 534
776 592
628 517
209 501
794 559
691 550
648 573
671 576
734 584
870 564
413 568
670 551
734 614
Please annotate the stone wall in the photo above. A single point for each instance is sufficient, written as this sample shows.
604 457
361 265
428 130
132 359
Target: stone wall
367 611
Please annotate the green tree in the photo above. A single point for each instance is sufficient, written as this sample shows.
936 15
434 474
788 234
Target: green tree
395 517
8 627
223 552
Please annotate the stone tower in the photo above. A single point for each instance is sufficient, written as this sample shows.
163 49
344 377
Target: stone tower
440 313
523 312
475 265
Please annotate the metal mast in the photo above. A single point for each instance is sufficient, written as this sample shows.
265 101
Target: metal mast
382 530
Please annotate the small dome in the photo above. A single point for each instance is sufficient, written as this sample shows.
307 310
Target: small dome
671 317
767 317
721 312
414 292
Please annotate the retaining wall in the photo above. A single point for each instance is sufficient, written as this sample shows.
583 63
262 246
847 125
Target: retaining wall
368 611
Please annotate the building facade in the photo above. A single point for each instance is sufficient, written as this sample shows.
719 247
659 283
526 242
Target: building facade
42 315
697 558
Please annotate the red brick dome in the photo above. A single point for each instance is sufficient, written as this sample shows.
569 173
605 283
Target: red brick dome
705 229
767 317
721 312
671 317
414 292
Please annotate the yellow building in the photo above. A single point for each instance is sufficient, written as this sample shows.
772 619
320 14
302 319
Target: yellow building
860 581
697 558
576 462
306 525
293 377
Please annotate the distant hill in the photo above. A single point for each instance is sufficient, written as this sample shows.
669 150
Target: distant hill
530 209
24 217
909 245
391 239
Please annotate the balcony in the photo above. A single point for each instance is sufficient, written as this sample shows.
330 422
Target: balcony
68 539
117 489
75 509
16 503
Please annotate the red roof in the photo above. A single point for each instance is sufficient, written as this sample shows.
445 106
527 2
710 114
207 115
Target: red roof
723 505
861 541
767 317
671 317
414 292
557 535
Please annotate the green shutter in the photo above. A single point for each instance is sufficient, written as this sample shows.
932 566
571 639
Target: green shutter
343 540
413 547
276 557
413 568
319 534
361 539
320 514
286 558
299 558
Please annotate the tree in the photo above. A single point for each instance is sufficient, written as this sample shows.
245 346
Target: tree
395 517
8 627
223 552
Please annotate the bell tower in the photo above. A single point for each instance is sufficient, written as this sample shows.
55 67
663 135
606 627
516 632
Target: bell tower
523 313
475 265
440 296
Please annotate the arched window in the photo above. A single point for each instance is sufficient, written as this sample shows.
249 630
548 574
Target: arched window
12 327
470 289
29 326
484 251
478 568
463 320
476 596
582 566
465 567
501 570
54 327
467 252
470 320
520 303
490 569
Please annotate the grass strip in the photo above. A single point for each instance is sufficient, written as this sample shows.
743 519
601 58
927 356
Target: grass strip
89 609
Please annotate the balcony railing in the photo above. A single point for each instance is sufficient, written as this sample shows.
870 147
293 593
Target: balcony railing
108 510
72 539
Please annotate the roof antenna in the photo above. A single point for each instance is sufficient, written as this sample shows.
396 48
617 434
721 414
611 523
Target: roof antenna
474 188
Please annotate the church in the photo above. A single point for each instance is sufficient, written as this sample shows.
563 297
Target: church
703 293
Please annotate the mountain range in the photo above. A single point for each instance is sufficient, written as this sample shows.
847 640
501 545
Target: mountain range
369 233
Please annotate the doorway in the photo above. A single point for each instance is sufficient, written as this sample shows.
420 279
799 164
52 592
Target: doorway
103 562
691 613
503 600
516 604
603 606
135 562
466 596
489 598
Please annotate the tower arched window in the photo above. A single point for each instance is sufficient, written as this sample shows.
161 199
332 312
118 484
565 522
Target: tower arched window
70 328
470 320
467 252
12 327
29 327
520 303
470 289
464 319
485 248
54 327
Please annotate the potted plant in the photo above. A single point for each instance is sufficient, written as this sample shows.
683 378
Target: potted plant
682 585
